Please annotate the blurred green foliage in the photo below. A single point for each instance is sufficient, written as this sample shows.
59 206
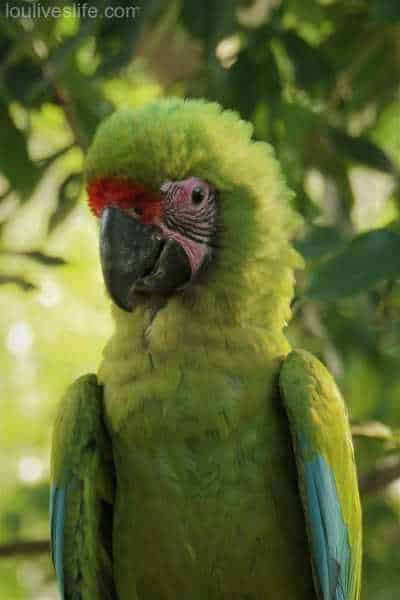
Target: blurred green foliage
320 81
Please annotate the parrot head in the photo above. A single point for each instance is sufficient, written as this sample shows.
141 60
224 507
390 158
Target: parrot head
193 210
153 242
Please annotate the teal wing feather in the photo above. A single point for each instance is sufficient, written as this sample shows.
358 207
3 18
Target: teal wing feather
326 473
57 520
81 496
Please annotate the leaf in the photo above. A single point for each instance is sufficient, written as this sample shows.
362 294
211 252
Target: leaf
68 196
357 52
310 66
60 59
364 262
303 203
307 15
361 150
15 163
21 282
117 38
209 21
385 11
21 79
319 241
47 161
294 132
253 79
37 256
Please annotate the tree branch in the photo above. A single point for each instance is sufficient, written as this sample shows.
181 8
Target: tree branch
376 480
374 430
24 547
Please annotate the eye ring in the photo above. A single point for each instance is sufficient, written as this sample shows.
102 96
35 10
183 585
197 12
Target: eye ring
197 195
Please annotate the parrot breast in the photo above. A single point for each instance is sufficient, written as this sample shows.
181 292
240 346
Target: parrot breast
207 504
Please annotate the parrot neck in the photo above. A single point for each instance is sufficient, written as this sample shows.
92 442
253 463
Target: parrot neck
183 327
162 351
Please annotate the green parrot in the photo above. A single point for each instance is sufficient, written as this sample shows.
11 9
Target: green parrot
206 460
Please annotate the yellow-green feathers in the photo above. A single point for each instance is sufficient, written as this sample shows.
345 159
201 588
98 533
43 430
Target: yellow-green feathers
208 502
238 311
174 139
327 474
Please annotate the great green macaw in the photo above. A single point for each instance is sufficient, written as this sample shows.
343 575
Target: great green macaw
206 460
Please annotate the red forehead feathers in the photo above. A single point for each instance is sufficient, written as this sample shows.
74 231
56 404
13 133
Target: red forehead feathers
124 195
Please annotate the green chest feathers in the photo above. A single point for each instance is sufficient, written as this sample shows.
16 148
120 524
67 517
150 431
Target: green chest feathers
210 512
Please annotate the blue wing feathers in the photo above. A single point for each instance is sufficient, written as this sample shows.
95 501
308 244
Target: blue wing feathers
324 458
57 520
328 533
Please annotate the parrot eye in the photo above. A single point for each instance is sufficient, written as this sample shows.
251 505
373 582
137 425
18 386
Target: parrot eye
197 195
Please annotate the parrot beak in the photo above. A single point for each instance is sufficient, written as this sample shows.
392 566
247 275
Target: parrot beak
136 259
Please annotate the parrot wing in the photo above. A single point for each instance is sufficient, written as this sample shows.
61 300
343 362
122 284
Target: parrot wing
82 495
327 477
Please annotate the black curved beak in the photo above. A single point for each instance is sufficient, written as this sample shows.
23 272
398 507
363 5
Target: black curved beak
135 259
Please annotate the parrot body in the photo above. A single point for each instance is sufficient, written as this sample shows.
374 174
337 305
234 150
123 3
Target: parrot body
202 463
206 460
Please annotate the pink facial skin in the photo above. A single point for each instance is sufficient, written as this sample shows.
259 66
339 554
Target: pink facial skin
189 217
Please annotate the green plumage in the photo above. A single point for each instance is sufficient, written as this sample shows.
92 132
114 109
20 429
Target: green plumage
208 492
